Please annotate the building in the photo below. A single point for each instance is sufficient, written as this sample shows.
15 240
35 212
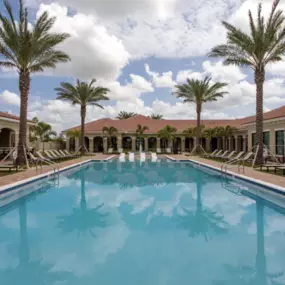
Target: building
242 139
9 130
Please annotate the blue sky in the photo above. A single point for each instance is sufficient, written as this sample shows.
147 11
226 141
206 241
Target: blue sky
140 50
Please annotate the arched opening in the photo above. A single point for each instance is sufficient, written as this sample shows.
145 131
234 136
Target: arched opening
203 143
240 142
164 143
187 144
152 144
234 143
140 142
86 142
98 144
127 143
71 144
7 140
214 144
177 145
113 143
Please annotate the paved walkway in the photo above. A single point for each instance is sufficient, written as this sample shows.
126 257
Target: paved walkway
21 175
249 171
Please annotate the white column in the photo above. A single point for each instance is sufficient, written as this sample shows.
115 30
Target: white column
183 144
237 144
208 145
119 141
158 143
76 144
105 144
91 144
146 144
133 144
244 143
67 145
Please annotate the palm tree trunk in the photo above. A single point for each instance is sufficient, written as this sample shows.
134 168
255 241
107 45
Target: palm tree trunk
83 115
198 130
259 80
24 86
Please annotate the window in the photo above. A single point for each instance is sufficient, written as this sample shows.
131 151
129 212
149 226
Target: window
266 139
279 141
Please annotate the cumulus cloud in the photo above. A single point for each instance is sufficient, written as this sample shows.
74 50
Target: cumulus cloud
163 80
94 52
10 98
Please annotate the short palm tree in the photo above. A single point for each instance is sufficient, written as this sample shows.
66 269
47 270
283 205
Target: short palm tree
82 94
264 45
27 51
73 133
168 133
109 132
140 132
125 115
44 132
156 116
188 133
199 92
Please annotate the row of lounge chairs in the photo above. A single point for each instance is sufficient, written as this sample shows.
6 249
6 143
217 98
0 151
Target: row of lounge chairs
230 155
51 155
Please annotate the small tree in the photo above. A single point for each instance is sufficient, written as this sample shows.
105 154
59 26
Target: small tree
140 132
156 116
168 133
109 132
125 115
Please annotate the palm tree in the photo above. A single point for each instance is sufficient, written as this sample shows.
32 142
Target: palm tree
168 133
189 132
125 115
140 132
73 133
156 116
82 94
264 45
83 219
109 132
199 92
44 132
203 220
27 51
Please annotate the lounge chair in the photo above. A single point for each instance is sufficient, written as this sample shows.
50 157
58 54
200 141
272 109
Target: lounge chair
120 150
131 157
221 155
142 156
68 153
153 157
228 157
55 154
8 165
32 159
65 155
50 160
122 157
51 155
168 150
217 153
110 150
158 150
273 166
211 154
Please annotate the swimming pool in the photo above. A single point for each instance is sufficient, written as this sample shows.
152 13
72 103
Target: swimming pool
150 223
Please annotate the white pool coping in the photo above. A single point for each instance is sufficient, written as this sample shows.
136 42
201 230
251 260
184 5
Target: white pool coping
47 174
233 174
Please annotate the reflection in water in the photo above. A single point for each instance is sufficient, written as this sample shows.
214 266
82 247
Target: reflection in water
257 275
83 220
203 221
30 271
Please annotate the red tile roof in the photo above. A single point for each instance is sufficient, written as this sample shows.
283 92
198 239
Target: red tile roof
130 125
10 116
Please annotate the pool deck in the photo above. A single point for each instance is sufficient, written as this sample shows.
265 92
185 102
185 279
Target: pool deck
249 172
26 174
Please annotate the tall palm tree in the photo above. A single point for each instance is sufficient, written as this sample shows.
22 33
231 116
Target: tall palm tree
125 115
264 45
83 219
140 132
82 94
109 132
199 92
203 221
168 133
27 51
156 116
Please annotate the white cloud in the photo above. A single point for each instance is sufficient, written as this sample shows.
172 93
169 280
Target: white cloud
141 83
10 98
188 74
163 80
94 52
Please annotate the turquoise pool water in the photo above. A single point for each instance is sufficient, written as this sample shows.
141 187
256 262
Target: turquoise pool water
141 224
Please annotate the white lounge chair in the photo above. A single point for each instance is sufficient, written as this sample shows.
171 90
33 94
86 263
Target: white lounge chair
64 154
238 156
50 154
55 152
142 156
44 158
120 150
110 150
222 155
122 157
247 157
217 153
131 157
168 150
67 152
153 157
211 154
227 157
158 150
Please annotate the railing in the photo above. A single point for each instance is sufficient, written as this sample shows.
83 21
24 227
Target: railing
54 165
239 163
